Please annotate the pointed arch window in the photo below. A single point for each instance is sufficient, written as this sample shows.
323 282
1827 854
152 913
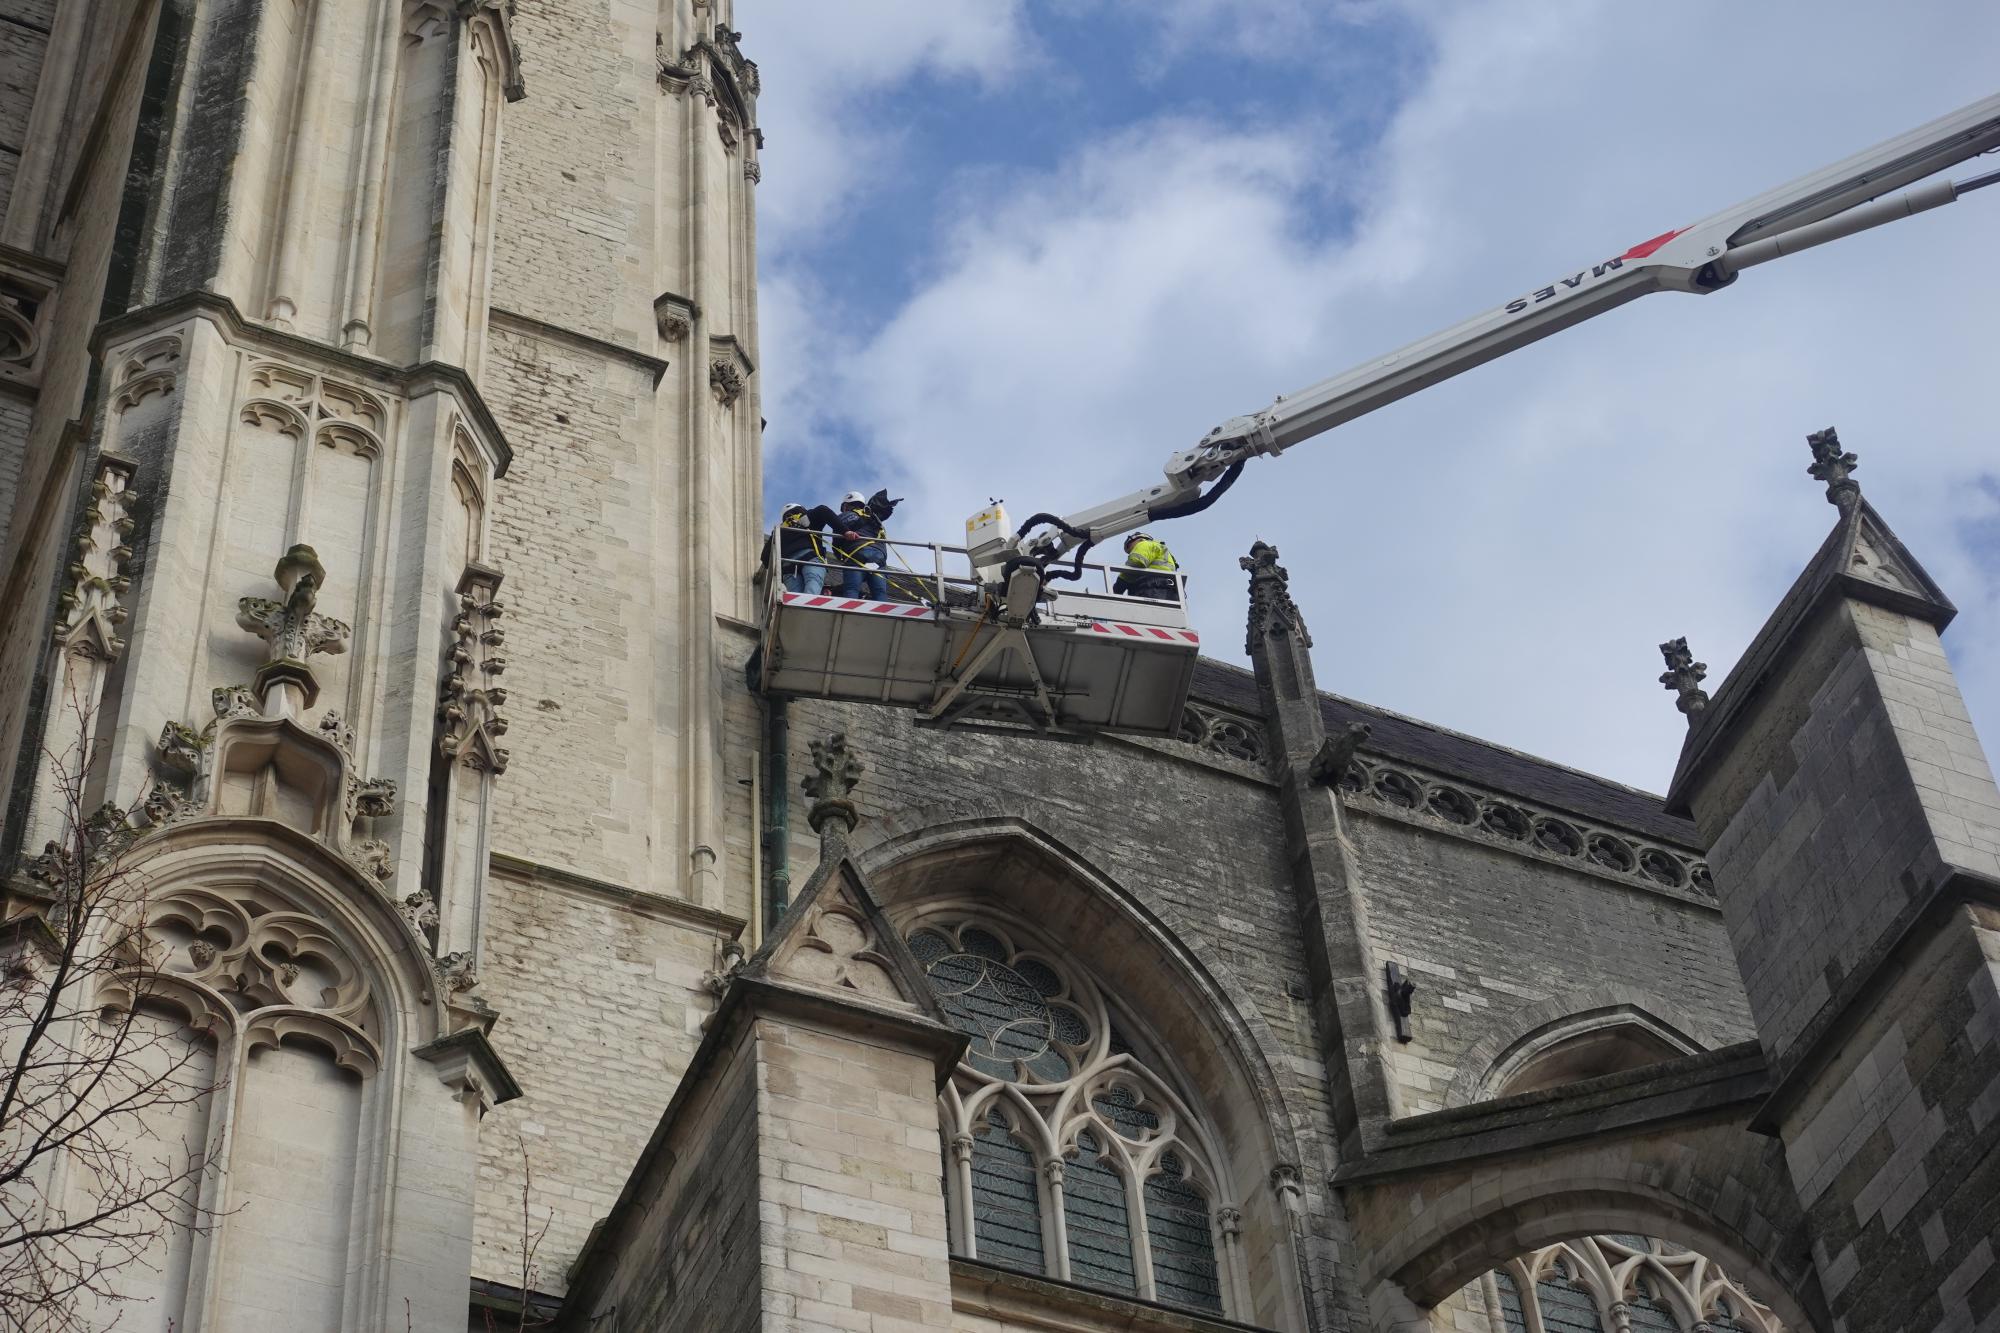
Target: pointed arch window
1577 1284
1075 1154
1007 1207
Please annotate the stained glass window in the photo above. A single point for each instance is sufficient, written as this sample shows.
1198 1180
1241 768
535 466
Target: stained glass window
1649 1313
1567 1305
1100 1224
1006 1204
1183 1246
1036 1023
1510 1301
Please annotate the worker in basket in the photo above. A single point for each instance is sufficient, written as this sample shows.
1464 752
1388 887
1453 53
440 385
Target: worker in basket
860 546
804 552
1149 569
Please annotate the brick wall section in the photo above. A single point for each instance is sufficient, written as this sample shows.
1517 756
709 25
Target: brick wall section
567 529
575 238
1488 936
600 1005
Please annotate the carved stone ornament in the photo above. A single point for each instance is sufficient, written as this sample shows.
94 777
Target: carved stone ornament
455 972
470 698
1834 467
1448 805
24 302
675 315
148 370
293 632
752 172
727 382
1684 676
840 952
420 910
180 773
1223 734
729 43
1272 611
90 609
836 772
1330 766
229 947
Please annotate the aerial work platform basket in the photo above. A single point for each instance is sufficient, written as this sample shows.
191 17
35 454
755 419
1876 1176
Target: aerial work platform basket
1086 660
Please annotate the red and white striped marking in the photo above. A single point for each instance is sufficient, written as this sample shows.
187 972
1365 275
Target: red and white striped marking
1146 632
821 602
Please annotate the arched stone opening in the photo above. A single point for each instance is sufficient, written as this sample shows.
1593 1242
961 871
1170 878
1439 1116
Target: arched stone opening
1622 1283
1627 1027
1436 1257
307 994
1584 1045
1196 1070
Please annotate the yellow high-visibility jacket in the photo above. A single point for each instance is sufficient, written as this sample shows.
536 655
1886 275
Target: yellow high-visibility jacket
1151 554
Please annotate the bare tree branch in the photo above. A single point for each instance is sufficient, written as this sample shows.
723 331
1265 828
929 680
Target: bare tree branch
96 1064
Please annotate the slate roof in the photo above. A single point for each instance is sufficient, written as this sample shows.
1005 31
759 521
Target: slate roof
1453 754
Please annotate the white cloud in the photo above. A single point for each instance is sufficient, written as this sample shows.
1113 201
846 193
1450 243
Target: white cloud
1501 553
824 62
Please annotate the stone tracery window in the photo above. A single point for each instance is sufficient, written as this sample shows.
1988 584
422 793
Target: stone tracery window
1072 1153
1596 1284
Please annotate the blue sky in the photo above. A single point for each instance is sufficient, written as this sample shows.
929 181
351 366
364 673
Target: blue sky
1030 249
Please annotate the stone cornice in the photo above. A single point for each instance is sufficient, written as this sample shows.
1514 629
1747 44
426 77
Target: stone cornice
467 1063
1038 1301
1711 1084
541 328
407 380
1409 795
721 924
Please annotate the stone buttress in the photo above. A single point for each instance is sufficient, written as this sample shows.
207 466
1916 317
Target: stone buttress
1854 827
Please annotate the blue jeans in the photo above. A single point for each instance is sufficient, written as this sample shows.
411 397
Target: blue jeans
876 583
806 577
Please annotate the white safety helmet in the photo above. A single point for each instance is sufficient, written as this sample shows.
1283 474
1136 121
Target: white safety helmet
794 506
853 498
1136 538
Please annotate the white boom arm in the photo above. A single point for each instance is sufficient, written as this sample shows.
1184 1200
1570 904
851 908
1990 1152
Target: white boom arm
1828 204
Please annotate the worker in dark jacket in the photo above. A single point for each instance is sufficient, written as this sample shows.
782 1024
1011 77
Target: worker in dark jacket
859 544
1149 569
805 553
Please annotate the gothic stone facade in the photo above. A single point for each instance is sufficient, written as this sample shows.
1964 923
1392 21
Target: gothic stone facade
379 440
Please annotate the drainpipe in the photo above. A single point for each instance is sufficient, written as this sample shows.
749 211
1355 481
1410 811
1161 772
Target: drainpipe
777 809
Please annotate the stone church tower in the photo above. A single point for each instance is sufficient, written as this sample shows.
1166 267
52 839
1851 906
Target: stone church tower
379 447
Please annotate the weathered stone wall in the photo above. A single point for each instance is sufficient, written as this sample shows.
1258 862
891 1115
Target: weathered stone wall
1854 817
693 1260
44 495
601 1000
24 36
1495 940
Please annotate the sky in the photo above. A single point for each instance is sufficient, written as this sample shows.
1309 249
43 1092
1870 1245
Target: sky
1029 250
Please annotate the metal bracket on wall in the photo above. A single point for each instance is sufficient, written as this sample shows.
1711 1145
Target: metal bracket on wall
1399 990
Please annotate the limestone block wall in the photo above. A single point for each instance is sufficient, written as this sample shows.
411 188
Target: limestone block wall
78 225
24 36
601 999
1856 784
1854 816
1500 943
